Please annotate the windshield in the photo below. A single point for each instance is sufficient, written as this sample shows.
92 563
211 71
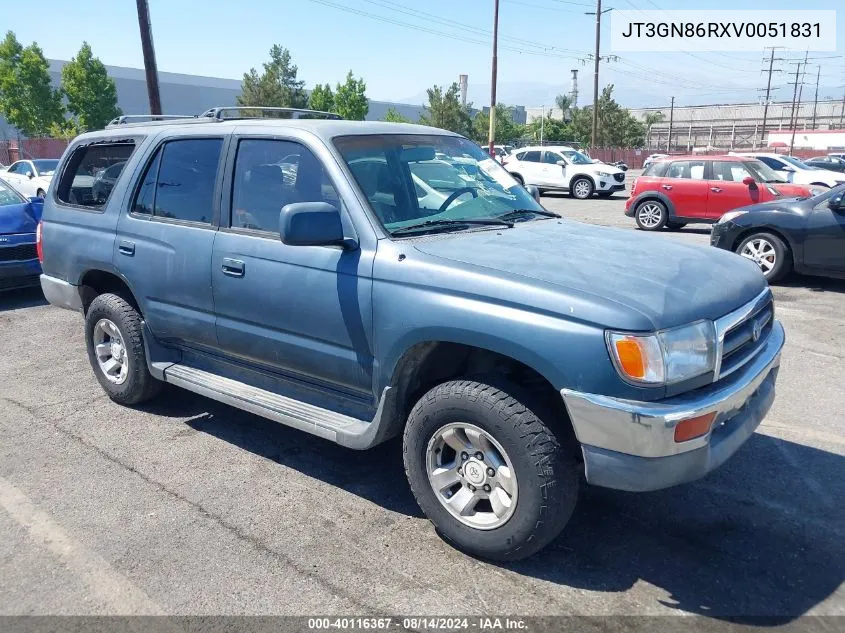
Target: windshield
761 172
794 161
577 158
8 195
409 179
45 167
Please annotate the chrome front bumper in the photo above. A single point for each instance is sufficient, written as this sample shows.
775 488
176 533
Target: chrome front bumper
630 445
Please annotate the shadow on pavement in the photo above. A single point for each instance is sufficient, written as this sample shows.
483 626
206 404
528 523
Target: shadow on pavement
23 298
816 284
762 536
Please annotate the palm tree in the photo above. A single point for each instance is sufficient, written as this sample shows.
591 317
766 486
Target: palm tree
564 102
650 119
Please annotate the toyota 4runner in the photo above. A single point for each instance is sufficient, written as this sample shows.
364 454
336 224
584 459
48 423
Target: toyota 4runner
363 280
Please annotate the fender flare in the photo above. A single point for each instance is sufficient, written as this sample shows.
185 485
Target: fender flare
654 195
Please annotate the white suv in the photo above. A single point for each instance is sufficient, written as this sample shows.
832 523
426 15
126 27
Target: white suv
797 172
564 168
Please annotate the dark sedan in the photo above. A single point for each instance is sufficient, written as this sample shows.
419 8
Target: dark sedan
832 163
804 234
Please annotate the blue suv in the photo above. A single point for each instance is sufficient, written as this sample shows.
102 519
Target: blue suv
365 280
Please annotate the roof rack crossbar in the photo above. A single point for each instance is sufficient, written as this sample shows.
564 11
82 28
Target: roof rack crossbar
222 113
125 119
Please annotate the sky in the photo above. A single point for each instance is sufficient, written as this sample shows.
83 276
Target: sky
402 47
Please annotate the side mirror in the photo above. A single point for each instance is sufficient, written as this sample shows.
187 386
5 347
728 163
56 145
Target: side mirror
30 175
787 169
837 203
562 163
533 191
748 181
311 224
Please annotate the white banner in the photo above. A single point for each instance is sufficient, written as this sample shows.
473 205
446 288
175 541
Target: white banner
668 30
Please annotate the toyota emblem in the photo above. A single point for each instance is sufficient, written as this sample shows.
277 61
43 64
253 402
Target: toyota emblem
756 330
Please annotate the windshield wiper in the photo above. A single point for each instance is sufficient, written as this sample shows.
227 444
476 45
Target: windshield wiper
518 213
447 223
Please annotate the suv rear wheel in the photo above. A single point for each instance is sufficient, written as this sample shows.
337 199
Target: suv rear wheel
651 215
114 338
487 470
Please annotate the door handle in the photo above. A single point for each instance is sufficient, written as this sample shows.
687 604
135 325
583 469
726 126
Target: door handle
126 247
667 187
233 267
715 190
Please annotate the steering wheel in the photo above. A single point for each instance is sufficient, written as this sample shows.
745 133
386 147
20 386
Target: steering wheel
454 195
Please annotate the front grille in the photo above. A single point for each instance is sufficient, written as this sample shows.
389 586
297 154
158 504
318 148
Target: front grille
743 333
619 177
17 253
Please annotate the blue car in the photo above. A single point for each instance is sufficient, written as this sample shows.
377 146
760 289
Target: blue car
19 218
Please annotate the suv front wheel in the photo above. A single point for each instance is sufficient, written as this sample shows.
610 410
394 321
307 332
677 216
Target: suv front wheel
581 188
114 338
487 470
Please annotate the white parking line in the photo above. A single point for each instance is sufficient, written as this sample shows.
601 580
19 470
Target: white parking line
116 594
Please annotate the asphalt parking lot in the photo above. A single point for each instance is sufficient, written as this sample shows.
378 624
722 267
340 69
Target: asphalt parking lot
187 506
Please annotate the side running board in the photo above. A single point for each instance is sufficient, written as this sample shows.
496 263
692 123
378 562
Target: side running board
339 428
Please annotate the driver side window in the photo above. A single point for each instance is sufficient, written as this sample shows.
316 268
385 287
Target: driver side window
551 158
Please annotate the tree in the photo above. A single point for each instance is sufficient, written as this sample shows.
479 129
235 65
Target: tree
617 127
27 98
446 111
277 86
350 100
550 129
393 116
322 98
506 129
564 102
90 92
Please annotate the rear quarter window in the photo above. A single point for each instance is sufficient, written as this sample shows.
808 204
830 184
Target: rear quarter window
91 172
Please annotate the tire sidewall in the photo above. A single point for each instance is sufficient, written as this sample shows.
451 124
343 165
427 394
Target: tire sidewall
663 215
518 178
575 184
781 266
428 416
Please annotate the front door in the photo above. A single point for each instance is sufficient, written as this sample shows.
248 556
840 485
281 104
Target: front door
553 174
726 191
824 246
164 242
304 311
684 184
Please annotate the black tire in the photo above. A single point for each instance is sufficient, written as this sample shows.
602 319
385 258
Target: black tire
573 187
647 223
139 385
783 256
547 473
674 225
519 179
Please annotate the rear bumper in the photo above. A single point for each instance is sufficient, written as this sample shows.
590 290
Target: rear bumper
629 445
19 274
61 294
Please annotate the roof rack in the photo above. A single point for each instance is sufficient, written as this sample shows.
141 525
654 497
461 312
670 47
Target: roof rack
229 113
125 119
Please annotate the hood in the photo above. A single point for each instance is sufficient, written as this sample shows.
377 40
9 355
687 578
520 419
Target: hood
814 175
20 218
668 282
790 190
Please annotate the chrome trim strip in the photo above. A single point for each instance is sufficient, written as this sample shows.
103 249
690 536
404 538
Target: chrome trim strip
731 320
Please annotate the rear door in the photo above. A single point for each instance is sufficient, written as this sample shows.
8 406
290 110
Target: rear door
824 245
726 190
164 241
531 168
685 185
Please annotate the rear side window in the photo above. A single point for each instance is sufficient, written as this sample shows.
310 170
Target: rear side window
689 169
655 170
531 157
179 182
89 178
771 162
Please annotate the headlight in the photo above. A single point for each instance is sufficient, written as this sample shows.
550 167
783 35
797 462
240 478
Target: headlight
665 357
815 190
730 215
603 174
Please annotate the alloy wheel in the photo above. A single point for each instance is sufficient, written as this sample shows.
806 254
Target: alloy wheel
110 351
650 215
762 252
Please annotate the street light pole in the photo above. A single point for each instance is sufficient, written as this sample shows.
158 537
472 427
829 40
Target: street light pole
595 132
492 134
149 56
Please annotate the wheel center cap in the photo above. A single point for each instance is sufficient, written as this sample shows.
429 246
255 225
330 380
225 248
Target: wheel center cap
116 351
475 473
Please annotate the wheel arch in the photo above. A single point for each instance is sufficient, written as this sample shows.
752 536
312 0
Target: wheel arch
790 244
659 197
96 281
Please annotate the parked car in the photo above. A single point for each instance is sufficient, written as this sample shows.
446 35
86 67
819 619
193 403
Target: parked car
104 180
510 352
31 177
563 168
796 171
651 158
19 217
830 163
678 190
802 234
501 151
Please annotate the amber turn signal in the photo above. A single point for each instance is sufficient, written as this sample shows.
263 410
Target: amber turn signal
694 427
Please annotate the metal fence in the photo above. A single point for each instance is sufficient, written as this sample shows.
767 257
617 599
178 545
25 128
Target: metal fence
18 149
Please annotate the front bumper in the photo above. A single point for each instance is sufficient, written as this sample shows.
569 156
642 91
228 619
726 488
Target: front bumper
724 235
629 445
609 185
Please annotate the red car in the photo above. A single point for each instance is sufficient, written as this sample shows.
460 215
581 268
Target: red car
677 190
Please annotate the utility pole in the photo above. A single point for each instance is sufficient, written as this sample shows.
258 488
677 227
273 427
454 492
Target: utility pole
842 114
671 120
492 135
816 98
542 124
149 56
798 103
794 96
768 92
595 135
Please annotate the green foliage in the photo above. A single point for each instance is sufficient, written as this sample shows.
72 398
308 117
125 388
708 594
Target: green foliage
350 100
90 92
392 116
564 102
550 129
321 98
506 129
27 98
446 111
653 117
277 86
617 128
